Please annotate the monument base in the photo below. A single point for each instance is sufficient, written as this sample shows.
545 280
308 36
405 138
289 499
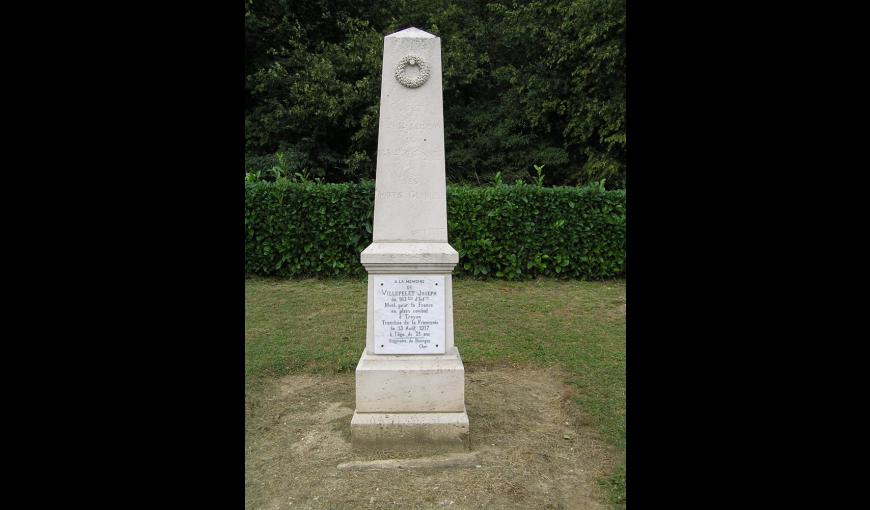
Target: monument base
410 403
435 432
410 384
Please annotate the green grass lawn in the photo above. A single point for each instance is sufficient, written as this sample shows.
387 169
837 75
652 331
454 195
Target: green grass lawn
319 326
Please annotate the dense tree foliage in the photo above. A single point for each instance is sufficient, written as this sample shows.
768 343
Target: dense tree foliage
525 83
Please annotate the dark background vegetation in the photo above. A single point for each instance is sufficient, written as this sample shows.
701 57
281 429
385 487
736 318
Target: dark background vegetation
525 83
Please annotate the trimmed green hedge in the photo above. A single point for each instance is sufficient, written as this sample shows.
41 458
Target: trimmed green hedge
511 232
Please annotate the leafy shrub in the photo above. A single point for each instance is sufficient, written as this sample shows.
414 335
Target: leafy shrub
306 229
502 231
260 164
289 163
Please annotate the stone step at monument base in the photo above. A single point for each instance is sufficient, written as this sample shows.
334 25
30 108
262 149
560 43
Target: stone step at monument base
432 432
410 384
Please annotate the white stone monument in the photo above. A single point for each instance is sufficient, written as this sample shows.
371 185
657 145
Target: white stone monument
410 381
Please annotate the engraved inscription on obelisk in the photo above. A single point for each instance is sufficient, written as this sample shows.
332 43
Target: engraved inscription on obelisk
410 200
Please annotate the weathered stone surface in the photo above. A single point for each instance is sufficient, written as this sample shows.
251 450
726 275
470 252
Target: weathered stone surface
410 185
408 384
409 258
417 397
450 460
397 431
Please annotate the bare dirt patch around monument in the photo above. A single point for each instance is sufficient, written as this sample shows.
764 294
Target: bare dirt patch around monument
535 448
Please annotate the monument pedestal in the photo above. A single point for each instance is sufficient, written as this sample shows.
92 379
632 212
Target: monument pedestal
405 384
403 401
410 381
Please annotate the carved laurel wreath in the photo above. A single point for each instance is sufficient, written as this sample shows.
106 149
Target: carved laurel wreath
412 60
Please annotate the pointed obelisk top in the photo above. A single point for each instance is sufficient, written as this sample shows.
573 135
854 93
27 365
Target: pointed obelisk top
410 184
413 33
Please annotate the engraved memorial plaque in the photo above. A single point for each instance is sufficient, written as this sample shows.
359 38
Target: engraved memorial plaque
409 314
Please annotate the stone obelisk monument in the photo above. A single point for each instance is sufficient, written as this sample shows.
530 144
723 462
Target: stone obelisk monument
410 381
